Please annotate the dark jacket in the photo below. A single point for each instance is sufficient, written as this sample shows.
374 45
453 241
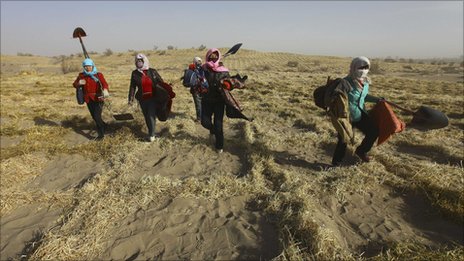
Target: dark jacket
135 88
214 85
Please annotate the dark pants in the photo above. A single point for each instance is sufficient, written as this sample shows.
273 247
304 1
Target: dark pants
149 113
96 109
215 127
197 101
368 128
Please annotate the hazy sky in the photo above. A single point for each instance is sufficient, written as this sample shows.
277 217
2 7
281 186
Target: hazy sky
409 29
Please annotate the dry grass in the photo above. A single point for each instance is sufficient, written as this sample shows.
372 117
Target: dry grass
281 150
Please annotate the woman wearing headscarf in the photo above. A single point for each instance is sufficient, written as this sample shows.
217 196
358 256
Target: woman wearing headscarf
212 102
95 90
199 87
356 86
143 79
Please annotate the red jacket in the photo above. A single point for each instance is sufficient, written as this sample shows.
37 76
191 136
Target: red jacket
91 88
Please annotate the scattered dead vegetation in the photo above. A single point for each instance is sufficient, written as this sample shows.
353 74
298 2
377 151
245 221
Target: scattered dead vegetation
284 154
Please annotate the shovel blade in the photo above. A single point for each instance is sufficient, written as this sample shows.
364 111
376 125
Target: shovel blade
233 50
79 32
123 117
428 118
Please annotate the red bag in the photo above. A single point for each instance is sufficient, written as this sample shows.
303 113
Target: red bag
386 120
163 100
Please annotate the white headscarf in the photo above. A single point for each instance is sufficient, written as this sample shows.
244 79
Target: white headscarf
356 64
197 60
146 63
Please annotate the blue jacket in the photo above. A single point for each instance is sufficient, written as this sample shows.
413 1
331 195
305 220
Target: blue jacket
357 98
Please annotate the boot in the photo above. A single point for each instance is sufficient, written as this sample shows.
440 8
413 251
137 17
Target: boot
363 156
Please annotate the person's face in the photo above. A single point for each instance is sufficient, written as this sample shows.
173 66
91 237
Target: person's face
364 67
213 57
88 68
139 63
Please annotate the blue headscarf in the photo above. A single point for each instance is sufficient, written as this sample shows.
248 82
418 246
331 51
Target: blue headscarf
87 62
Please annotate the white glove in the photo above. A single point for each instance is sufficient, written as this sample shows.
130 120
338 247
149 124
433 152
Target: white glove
106 94
81 81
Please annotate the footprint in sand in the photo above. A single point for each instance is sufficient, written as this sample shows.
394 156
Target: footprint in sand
196 229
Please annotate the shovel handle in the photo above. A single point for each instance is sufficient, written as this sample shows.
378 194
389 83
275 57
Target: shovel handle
399 107
86 55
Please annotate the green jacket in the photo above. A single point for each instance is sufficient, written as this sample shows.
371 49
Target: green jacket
357 98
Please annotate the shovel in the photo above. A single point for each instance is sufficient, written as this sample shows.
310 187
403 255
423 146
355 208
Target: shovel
120 116
232 50
425 117
78 33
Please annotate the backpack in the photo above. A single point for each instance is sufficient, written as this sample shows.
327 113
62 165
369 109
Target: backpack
322 93
190 78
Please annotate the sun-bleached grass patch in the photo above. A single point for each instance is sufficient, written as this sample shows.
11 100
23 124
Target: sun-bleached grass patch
284 153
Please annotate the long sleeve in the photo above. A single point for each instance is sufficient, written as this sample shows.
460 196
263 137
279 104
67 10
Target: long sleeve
132 87
103 82
76 82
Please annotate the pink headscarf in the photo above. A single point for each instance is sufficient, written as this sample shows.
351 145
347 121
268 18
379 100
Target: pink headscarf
214 66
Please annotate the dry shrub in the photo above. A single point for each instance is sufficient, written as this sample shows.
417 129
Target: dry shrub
108 52
24 54
450 69
68 66
375 68
292 64
417 251
266 68
407 67
276 152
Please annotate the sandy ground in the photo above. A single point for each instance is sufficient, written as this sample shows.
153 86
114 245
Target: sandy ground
224 229
173 229
178 228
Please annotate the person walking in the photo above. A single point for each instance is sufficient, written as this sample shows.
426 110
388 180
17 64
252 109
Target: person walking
212 102
141 88
95 90
198 86
355 89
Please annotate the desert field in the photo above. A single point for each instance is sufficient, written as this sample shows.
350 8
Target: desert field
271 194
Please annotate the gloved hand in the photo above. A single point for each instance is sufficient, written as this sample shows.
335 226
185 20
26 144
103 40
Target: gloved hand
81 81
106 94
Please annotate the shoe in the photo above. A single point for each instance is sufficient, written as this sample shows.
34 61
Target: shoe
220 151
99 137
151 138
362 156
335 164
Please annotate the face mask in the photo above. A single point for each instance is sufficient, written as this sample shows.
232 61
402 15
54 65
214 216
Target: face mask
139 64
361 73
